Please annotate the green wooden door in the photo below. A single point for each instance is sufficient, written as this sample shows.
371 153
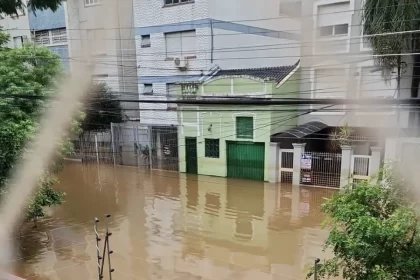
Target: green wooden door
191 155
245 160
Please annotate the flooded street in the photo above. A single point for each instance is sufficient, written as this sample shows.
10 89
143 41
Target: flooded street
167 225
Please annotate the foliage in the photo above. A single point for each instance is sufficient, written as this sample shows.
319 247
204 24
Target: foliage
102 109
391 16
11 7
29 71
374 232
341 136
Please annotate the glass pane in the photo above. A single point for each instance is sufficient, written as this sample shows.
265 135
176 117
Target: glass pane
341 29
59 36
325 31
42 37
188 43
148 89
145 41
173 44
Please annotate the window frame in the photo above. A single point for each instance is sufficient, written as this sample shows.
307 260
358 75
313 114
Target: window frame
93 3
50 36
147 92
333 29
172 55
180 2
143 38
241 135
208 153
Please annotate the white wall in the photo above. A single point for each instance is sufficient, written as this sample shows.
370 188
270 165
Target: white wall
17 26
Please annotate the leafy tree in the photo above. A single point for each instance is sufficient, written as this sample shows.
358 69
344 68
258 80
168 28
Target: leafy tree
374 233
29 71
10 7
399 18
102 108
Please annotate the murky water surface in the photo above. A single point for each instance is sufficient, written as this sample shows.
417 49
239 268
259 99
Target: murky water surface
167 225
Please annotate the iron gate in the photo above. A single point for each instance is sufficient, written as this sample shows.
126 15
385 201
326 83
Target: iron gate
322 169
286 165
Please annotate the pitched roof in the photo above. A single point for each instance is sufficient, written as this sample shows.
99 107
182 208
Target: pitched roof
276 74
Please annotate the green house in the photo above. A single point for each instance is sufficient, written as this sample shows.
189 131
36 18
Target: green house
233 141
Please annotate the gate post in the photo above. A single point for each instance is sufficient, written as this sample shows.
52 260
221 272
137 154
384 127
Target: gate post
346 160
273 168
298 151
375 164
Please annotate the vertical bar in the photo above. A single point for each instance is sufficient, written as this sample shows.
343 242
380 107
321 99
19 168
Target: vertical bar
112 142
99 258
96 149
150 147
108 234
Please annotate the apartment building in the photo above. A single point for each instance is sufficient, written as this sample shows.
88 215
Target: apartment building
337 62
48 28
179 42
17 27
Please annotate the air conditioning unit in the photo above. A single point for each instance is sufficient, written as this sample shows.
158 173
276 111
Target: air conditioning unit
181 63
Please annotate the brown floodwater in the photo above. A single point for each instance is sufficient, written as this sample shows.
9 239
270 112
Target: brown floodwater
167 225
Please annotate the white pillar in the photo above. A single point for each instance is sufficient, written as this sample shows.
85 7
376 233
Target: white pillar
298 151
375 163
346 156
96 149
273 168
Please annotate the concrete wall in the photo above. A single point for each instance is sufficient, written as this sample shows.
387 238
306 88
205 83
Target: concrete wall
352 54
16 26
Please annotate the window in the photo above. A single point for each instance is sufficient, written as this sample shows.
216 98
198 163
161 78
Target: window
245 127
372 83
145 41
175 2
148 89
59 36
291 8
92 2
334 30
51 37
180 44
212 148
334 19
18 42
330 83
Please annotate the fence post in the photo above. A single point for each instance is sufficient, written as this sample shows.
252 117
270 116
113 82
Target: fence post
346 160
298 151
96 148
273 169
113 142
375 163
316 269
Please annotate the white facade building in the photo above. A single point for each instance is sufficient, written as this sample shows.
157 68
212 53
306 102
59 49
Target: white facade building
17 27
181 40
337 62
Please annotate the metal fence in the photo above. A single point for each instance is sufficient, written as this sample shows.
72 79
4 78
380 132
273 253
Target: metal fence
324 169
286 165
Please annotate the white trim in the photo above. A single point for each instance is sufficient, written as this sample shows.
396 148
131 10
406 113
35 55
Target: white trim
234 77
343 38
245 114
288 76
232 89
362 48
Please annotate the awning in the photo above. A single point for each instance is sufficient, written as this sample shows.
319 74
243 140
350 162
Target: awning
301 130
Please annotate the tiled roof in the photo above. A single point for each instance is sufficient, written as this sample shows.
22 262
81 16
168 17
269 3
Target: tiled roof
276 74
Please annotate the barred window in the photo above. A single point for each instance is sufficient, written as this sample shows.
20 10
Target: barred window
42 37
245 127
59 36
212 148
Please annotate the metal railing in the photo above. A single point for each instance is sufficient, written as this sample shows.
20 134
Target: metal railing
101 254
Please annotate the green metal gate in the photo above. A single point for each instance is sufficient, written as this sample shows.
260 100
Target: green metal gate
191 155
245 160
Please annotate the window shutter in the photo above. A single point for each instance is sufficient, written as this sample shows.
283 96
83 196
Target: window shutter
245 127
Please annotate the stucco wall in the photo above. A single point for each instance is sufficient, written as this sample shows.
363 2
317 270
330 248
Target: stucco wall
18 26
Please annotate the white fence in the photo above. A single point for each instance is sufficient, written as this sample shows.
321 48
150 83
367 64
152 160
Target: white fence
286 165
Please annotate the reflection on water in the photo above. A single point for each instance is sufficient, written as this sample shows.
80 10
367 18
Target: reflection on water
174 226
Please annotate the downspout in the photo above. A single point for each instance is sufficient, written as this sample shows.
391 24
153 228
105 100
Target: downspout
212 40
